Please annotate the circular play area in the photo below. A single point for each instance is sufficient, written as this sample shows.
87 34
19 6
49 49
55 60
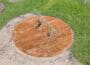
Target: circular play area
42 36
36 40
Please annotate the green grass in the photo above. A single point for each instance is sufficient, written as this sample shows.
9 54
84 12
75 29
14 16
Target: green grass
74 12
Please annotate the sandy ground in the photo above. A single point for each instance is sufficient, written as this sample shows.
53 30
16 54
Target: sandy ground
10 55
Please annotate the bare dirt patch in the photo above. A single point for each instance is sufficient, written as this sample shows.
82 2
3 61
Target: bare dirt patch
43 38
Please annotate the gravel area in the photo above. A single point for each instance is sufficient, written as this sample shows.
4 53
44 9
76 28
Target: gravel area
10 55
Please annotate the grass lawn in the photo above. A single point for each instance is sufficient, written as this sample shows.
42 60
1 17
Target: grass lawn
74 12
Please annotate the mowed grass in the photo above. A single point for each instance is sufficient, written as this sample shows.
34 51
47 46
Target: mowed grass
73 12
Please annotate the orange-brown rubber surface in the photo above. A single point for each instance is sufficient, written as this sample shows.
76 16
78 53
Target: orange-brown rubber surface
33 41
